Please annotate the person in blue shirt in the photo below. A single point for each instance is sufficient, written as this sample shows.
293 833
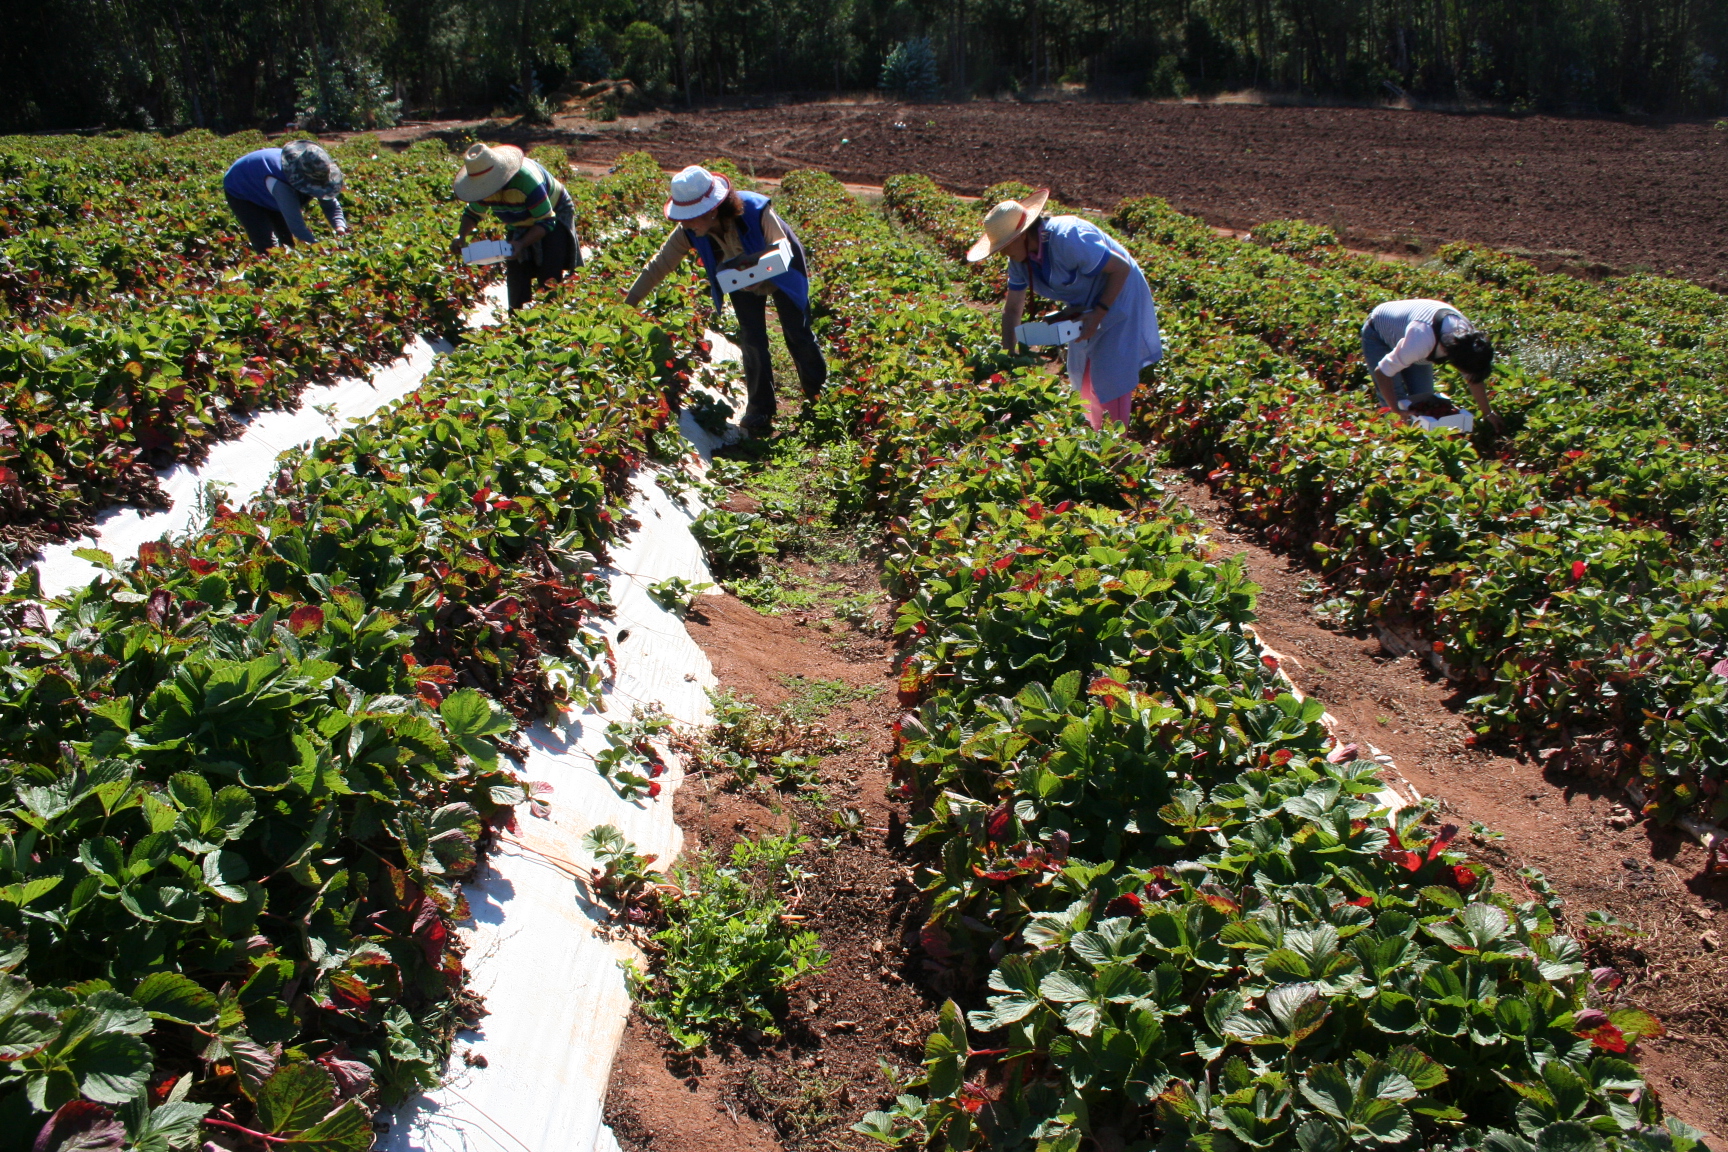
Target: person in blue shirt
720 224
1073 262
268 188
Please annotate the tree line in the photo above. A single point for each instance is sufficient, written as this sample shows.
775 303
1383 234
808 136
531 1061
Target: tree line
226 64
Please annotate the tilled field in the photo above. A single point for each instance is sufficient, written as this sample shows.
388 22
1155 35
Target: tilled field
1578 193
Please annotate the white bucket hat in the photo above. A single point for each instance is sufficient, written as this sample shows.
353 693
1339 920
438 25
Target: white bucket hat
485 169
1006 221
695 191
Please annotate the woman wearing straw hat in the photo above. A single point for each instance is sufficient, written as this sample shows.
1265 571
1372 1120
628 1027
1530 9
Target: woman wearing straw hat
1071 261
721 224
267 189
538 215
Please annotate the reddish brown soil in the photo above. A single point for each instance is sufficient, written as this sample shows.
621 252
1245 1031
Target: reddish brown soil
1602 193
1649 877
806 1089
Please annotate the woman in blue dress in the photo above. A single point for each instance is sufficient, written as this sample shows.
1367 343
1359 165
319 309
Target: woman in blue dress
1072 261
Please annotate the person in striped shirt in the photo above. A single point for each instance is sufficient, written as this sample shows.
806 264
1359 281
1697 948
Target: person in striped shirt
535 208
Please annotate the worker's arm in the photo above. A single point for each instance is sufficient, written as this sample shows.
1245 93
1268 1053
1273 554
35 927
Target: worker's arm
1389 394
1115 276
1479 389
772 230
1013 307
468 223
676 245
519 247
333 213
288 203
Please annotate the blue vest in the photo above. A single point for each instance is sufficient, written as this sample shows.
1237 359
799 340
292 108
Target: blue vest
795 281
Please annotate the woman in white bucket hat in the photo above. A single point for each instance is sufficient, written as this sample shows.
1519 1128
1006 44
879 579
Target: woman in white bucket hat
721 224
1073 262
535 208
267 189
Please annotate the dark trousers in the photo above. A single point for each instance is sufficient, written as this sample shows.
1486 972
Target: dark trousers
557 253
752 310
264 226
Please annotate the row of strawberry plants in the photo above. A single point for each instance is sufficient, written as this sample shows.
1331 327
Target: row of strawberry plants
246 774
1204 928
1587 629
91 403
1576 390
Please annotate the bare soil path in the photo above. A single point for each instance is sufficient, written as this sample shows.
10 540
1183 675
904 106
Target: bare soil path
1567 827
1576 193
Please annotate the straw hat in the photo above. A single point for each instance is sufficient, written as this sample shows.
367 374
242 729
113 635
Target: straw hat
485 169
1006 221
695 191
309 169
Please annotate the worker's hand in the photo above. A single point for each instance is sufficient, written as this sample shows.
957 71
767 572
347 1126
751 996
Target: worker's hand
1494 419
456 247
1091 321
518 249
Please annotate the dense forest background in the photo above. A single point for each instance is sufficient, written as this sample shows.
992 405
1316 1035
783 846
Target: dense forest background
226 64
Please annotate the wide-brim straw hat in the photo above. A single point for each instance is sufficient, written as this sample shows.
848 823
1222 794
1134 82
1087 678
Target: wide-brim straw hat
1006 221
485 169
695 192
310 170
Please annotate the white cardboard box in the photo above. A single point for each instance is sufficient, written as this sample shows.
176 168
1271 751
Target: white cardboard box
1461 421
769 264
1036 332
487 252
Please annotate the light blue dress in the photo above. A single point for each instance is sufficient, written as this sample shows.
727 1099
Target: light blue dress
1070 270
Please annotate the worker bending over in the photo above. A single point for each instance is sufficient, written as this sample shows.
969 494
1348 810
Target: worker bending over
267 189
1072 261
535 208
1404 339
726 226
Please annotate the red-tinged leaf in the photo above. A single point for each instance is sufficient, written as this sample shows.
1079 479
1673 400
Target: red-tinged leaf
1270 661
1105 686
1362 901
1448 833
431 932
1221 903
347 992
1002 562
997 874
1035 511
481 496
1720 668
201 567
79 1126
438 674
156 609
430 693
1282 756
1463 877
1000 823
1030 550
1574 454
1605 1036
910 690
936 943
351 1076
1127 904
1062 507
306 619
1578 570
1060 842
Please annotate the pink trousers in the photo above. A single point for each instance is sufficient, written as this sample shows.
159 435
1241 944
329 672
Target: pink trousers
1118 409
